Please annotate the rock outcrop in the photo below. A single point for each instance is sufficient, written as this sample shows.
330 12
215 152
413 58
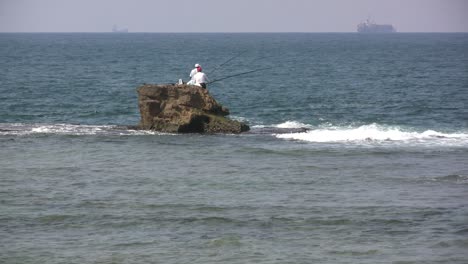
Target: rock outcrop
183 109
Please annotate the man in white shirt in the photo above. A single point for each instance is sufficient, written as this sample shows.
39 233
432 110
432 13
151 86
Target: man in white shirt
194 71
200 78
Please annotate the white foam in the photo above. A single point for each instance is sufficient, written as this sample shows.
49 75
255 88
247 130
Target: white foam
238 118
376 134
70 129
292 124
287 124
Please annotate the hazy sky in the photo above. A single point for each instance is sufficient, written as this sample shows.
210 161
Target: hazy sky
230 15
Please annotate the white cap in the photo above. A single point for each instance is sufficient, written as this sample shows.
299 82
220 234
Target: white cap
197 65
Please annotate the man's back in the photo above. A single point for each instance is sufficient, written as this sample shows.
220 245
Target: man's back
200 77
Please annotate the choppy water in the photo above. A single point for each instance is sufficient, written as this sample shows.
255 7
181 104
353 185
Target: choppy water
379 177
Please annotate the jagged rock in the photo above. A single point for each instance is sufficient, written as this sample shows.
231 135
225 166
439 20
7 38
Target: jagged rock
183 109
278 130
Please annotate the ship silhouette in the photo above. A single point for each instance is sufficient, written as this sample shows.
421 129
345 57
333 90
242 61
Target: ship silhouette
116 29
369 26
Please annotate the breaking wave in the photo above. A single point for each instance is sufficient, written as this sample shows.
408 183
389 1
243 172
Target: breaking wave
290 130
372 133
69 129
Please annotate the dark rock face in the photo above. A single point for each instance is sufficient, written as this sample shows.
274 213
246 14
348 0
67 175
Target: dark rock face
183 109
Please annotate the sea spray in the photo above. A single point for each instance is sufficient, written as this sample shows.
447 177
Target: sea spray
374 133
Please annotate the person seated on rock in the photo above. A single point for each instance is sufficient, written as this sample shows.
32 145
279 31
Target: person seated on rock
194 70
192 73
200 78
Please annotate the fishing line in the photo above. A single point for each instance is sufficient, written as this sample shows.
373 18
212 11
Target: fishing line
230 59
239 74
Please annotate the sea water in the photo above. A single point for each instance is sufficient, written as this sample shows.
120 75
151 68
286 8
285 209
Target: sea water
380 175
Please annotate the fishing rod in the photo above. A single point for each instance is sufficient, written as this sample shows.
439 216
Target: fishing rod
226 62
239 74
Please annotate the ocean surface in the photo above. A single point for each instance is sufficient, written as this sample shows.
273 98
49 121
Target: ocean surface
381 175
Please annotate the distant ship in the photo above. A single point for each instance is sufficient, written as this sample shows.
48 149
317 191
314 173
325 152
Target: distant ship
371 27
115 29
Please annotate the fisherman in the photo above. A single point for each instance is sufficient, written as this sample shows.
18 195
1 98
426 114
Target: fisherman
194 71
200 78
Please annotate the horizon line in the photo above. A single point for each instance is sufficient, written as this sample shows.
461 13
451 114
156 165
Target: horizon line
225 32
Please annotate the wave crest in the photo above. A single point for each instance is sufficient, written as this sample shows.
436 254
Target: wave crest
374 133
69 129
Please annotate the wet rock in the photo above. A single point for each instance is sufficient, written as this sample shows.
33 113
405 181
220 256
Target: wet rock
183 109
278 130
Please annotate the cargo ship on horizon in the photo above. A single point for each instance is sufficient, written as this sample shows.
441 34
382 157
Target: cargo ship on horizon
369 26
116 29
